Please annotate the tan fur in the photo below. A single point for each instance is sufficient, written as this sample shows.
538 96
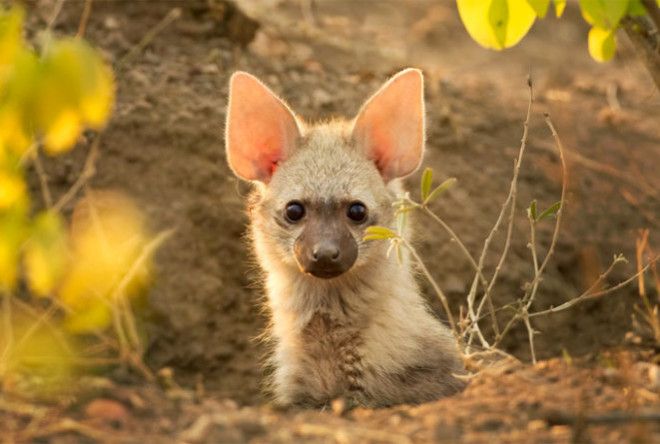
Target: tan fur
367 334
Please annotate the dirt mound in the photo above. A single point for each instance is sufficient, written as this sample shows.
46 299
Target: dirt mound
164 147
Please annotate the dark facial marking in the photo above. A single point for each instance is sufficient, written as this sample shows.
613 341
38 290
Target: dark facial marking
325 248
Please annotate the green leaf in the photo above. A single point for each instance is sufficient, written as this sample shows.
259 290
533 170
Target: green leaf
498 17
560 5
636 8
602 44
377 233
604 13
550 211
444 186
540 7
427 179
496 24
531 211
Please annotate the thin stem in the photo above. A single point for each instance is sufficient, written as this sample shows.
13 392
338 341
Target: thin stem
436 287
530 336
118 295
174 14
587 295
529 297
43 178
458 241
84 18
53 16
88 171
510 200
8 329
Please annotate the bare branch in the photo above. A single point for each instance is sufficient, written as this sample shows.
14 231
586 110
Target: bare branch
528 299
510 201
587 295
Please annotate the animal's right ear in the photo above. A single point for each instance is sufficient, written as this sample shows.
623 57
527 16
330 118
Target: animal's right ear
261 130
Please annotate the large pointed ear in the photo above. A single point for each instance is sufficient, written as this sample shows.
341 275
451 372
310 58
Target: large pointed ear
390 125
261 130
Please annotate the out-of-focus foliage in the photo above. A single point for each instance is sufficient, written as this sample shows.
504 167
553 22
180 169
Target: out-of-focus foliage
39 349
85 271
108 235
500 24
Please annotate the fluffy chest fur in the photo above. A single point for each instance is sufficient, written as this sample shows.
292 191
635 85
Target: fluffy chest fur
370 340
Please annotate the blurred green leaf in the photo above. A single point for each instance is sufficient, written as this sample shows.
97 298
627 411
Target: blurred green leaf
602 44
427 179
540 7
550 211
636 8
377 233
531 211
444 186
604 13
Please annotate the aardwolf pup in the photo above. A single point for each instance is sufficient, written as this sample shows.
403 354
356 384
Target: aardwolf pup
347 320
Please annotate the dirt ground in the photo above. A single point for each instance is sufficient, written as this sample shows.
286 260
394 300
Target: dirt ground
164 147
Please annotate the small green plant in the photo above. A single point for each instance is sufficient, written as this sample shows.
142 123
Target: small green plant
479 298
500 24
62 283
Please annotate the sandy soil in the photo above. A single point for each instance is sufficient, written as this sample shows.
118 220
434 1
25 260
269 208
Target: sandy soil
164 147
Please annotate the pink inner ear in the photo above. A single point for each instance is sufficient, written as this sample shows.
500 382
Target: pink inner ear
390 126
261 130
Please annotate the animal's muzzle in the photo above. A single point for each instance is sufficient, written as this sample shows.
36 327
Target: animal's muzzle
325 256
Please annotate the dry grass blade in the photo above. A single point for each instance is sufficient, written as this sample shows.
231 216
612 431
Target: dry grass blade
88 171
174 14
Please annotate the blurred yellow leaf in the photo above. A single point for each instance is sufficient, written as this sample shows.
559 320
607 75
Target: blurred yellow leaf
45 253
62 132
108 235
560 5
16 97
12 189
540 7
496 24
601 44
12 132
96 103
77 89
96 315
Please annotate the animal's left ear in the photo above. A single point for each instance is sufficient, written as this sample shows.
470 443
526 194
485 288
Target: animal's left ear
390 125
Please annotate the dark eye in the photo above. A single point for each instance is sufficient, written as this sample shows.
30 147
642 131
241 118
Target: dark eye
294 211
357 212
